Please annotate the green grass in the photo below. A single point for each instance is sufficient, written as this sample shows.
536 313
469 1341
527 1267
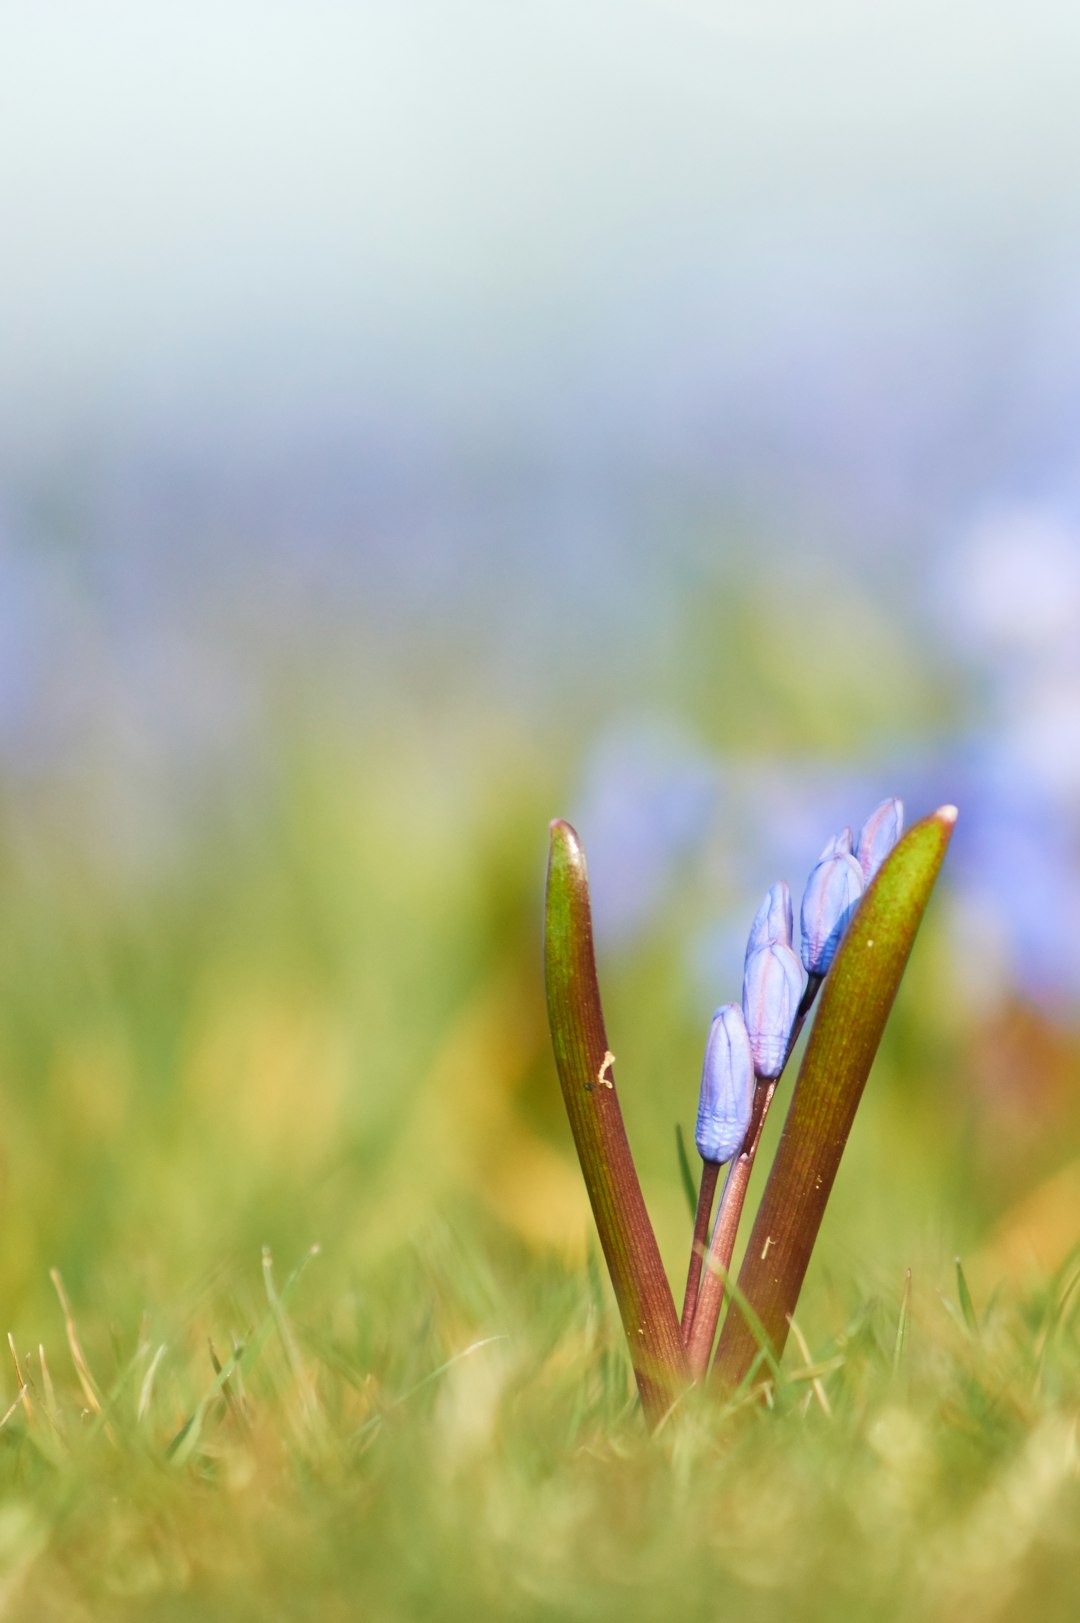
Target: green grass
328 1031
456 1435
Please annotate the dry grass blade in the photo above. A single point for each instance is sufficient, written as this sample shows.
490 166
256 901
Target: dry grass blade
90 1388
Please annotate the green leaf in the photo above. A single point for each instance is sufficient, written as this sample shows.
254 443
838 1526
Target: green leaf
586 1074
856 998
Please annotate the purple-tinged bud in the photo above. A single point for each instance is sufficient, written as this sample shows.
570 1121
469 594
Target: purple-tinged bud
878 835
831 897
839 846
773 983
727 1087
773 921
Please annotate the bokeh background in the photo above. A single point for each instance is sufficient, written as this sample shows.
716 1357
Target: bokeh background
421 420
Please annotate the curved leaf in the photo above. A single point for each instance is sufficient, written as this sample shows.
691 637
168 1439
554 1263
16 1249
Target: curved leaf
856 998
586 1074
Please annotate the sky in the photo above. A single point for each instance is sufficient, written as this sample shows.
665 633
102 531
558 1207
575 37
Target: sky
243 218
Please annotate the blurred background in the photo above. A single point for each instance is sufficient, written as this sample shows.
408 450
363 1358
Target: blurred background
420 421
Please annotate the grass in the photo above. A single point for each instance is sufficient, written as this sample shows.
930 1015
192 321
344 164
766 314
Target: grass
293 1044
456 1435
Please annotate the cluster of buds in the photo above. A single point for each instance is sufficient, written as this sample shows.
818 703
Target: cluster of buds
753 1041
748 1047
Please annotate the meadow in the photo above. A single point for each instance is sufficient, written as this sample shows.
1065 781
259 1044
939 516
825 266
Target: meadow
305 1313
419 423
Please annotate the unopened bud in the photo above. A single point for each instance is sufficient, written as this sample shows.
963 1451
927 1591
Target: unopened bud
773 983
839 846
831 897
773 921
727 1087
878 835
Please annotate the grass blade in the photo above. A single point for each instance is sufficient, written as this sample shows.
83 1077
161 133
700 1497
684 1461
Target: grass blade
967 1306
903 1320
856 998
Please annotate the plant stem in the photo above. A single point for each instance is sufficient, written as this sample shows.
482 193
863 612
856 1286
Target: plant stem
699 1328
702 1328
710 1172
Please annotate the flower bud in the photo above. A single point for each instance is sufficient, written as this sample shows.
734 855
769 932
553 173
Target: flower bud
878 835
773 983
831 897
773 922
727 1087
838 846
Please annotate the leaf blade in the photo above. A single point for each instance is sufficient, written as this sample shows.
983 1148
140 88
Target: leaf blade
585 1066
856 998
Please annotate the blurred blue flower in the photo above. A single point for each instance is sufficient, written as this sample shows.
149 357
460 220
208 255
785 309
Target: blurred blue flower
23 646
1016 870
1009 595
727 1086
1010 590
648 801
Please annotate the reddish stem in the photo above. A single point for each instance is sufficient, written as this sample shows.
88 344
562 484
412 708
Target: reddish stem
710 1172
702 1330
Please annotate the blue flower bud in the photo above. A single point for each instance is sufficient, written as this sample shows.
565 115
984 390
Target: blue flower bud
878 835
773 983
773 921
831 897
838 846
727 1087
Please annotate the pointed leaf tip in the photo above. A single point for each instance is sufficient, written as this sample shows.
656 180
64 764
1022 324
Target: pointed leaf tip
566 849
